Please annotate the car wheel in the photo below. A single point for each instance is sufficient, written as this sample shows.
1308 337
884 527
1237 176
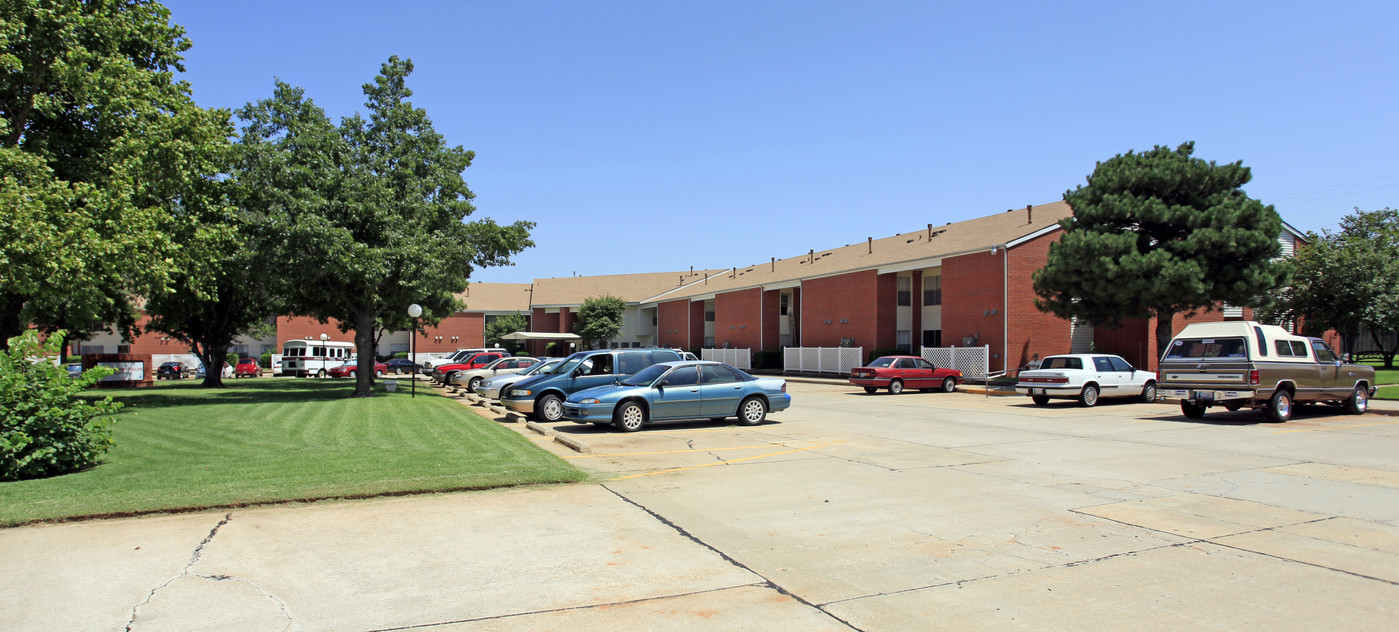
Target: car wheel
1089 397
549 408
949 385
1193 411
752 411
870 389
320 373
1358 402
1040 400
1280 406
378 373
352 375
1149 392
472 385
630 417
896 387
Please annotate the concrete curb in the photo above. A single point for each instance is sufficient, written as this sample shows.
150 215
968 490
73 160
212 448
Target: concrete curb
574 444
518 418
539 429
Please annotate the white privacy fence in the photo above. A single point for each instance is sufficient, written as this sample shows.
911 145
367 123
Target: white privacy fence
973 362
822 359
740 358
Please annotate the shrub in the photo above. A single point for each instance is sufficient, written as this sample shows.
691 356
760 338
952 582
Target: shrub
232 359
401 355
46 427
879 353
265 359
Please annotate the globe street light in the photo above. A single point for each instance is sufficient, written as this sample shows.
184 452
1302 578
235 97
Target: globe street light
414 311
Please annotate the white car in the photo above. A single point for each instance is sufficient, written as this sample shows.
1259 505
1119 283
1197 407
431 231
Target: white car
490 387
1086 377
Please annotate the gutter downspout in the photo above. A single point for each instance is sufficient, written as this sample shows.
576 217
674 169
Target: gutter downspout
1005 307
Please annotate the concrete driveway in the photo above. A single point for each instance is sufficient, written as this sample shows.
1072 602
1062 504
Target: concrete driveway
849 511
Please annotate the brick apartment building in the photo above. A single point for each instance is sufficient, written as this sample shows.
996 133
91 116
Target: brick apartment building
958 284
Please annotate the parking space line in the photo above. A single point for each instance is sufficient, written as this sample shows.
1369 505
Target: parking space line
696 450
746 458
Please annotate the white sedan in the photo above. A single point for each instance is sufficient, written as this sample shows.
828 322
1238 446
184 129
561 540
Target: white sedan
1086 377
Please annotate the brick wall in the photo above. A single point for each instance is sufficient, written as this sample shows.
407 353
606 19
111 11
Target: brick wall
1031 330
672 324
772 328
971 288
738 319
695 339
852 297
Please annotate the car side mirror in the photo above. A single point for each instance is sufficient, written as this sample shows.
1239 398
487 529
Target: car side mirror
662 384
576 372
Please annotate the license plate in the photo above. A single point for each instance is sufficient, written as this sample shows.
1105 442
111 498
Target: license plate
1036 391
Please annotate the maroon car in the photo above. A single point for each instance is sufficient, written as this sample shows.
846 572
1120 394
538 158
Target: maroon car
899 372
445 372
348 369
247 367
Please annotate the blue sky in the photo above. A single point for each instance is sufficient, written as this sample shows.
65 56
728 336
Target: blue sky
655 136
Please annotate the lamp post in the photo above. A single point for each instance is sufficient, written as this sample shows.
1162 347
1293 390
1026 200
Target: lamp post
414 311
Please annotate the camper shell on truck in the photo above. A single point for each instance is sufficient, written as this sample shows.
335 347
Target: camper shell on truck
1244 364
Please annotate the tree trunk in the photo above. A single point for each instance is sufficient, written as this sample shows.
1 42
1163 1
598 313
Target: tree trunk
1388 354
364 349
1163 336
10 326
213 358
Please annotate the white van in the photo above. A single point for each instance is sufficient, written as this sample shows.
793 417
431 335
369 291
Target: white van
314 357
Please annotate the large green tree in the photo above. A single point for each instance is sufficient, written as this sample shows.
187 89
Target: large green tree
371 212
504 325
599 320
1347 281
98 145
1160 233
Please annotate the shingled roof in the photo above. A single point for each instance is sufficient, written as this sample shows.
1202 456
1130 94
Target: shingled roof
932 242
632 288
495 297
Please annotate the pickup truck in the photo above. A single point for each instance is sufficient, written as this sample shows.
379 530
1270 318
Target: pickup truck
1244 364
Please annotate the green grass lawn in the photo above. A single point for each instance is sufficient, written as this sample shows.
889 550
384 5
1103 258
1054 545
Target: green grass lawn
179 446
1387 392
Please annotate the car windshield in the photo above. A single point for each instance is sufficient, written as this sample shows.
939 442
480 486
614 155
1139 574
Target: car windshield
495 362
1207 348
542 368
881 362
646 375
1062 363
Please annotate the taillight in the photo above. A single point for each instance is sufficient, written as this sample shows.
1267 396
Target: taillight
1253 377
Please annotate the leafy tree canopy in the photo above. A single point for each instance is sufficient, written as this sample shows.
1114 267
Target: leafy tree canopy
1159 233
371 213
98 145
503 325
599 320
1347 281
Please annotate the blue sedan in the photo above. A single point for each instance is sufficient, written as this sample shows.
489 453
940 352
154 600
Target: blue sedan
679 390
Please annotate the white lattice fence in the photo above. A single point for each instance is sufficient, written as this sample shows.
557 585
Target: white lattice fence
822 359
741 358
973 362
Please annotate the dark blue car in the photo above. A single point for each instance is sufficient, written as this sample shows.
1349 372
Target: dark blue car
679 390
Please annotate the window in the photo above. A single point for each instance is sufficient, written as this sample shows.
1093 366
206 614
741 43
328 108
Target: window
632 361
932 337
709 342
1283 347
905 296
709 311
1207 348
715 374
904 341
123 348
1323 352
600 365
784 303
904 363
1103 365
932 291
1118 364
1062 363
924 364
683 376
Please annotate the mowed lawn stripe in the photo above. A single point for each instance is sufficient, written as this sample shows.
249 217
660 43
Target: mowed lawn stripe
180 446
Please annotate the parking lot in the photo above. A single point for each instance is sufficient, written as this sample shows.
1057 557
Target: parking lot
959 511
923 511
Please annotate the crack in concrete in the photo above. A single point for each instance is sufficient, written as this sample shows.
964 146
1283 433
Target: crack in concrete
726 557
185 572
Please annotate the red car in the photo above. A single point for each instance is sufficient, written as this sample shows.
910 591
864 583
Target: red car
899 372
349 369
445 372
247 367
